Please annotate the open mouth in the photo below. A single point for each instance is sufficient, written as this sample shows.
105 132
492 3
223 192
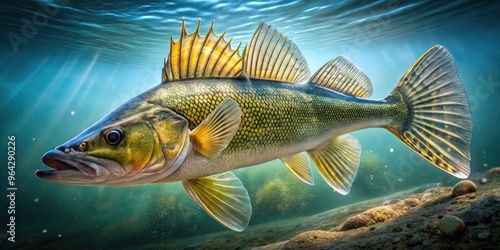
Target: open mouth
63 163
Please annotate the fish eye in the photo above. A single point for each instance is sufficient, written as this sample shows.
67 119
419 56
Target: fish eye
113 137
83 145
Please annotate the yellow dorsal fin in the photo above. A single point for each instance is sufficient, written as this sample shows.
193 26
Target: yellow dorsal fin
342 75
272 56
196 56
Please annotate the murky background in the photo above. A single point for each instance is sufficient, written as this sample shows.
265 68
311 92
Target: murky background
65 64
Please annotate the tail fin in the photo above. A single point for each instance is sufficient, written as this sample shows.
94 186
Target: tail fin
438 125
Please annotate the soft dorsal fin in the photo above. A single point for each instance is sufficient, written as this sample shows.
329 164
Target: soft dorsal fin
342 75
196 56
272 56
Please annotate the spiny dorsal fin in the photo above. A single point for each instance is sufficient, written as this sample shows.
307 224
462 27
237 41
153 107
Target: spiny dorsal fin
342 75
272 56
195 56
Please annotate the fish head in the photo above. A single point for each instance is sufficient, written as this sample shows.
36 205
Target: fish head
129 146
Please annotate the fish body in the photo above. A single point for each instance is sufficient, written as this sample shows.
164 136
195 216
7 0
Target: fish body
279 119
216 111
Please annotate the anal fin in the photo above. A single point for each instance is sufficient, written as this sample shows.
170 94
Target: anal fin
338 161
223 197
299 165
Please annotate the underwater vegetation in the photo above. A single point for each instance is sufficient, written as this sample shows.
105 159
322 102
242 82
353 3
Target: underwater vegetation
281 197
173 215
371 176
276 192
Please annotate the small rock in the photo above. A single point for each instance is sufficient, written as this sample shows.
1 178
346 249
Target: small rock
412 202
374 215
395 240
494 172
486 217
483 236
451 225
415 240
397 229
483 180
463 187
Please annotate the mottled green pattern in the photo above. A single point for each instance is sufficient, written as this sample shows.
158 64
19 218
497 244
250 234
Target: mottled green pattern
275 115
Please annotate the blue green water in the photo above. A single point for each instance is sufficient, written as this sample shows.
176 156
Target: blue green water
65 64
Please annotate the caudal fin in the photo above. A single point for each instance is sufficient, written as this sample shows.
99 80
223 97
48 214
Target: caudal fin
438 125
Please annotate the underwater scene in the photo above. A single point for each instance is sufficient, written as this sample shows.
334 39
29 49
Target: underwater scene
366 151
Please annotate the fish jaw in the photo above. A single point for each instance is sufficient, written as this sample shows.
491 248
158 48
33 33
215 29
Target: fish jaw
77 169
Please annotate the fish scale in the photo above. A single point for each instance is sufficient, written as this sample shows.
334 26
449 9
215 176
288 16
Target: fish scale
274 115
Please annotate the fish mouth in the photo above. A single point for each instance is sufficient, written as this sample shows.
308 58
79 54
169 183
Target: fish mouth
68 168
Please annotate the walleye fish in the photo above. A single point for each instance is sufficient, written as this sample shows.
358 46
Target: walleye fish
217 110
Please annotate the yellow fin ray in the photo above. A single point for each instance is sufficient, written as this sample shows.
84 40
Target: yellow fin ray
439 125
195 56
338 161
342 75
215 133
272 56
223 197
299 165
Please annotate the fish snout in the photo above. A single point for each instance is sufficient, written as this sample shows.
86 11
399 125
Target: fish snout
59 159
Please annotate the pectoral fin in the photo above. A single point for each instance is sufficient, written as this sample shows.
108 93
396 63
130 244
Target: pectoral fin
223 197
338 161
215 133
299 165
